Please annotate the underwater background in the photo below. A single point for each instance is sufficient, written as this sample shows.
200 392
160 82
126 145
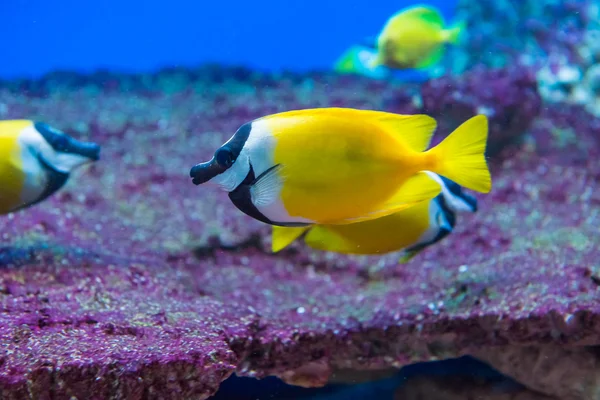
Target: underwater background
131 282
137 36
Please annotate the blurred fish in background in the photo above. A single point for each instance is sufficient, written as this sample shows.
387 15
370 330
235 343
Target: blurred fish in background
414 38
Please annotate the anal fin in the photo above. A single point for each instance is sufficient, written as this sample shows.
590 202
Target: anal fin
281 237
321 237
408 255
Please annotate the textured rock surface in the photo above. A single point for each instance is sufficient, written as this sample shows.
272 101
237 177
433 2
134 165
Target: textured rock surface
509 97
528 32
559 38
133 281
567 373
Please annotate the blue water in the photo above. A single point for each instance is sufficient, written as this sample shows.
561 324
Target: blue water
40 35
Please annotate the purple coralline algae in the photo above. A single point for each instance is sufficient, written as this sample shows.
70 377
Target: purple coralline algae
508 96
560 39
133 283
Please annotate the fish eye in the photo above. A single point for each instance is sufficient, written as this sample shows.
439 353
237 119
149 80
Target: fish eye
224 157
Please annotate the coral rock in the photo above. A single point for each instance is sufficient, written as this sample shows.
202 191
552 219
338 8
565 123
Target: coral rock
131 282
508 96
567 373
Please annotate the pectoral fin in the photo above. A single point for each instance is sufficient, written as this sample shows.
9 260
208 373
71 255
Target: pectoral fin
266 187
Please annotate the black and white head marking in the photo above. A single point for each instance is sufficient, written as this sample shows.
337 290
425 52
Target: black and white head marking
456 199
441 221
54 181
442 212
245 168
242 198
48 156
60 151
228 164
65 144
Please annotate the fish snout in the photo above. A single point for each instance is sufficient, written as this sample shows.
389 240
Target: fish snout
194 171
204 172
90 150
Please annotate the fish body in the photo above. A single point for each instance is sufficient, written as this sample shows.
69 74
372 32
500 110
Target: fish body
35 162
410 230
341 166
414 38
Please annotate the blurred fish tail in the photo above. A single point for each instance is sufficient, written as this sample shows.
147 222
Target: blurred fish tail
452 35
344 64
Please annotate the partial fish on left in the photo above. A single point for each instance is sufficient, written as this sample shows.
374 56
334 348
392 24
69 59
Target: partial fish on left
36 161
410 231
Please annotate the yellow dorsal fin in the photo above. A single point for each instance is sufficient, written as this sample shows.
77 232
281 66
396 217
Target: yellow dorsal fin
337 112
282 237
426 13
420 187
413 130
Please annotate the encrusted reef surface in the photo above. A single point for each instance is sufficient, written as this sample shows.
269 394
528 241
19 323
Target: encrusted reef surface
133 283
559 38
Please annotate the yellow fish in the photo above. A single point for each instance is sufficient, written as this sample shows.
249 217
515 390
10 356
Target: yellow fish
414 38
342 165
35 162
411 230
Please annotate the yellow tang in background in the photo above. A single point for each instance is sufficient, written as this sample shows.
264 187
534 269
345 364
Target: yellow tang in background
35 161
341 165
414 38
411 230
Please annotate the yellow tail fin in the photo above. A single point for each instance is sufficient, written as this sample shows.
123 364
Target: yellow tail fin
452 35
461 156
